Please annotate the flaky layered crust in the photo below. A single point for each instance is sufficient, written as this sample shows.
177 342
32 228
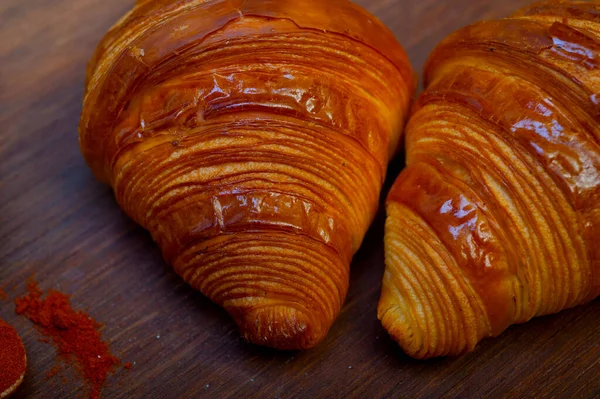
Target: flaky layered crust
251 139
496 219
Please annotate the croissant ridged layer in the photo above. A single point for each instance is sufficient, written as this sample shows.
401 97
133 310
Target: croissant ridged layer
251 139
496 218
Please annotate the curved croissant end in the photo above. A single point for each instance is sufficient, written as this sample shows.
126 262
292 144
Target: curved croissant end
251 139
496 219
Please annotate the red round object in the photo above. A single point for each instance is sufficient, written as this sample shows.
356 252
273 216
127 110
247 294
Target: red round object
13 360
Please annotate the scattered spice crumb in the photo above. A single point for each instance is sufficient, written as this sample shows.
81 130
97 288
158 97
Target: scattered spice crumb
53 371
128 365
75 335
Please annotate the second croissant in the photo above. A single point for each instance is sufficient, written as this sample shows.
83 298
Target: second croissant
496 218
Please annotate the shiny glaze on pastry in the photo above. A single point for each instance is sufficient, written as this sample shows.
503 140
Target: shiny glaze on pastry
496 218
251 138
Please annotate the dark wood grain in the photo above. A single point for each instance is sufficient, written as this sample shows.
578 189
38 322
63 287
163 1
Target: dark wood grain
56 221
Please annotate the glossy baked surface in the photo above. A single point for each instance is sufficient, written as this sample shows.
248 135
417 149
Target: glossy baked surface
251 138
496 219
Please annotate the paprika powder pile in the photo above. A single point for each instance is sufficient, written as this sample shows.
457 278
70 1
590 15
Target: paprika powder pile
75 334
13 361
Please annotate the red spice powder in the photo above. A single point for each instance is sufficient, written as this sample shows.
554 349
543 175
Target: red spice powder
12 357
75 334
3 295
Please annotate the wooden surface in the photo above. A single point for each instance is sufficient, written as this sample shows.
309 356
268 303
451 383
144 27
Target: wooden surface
56 221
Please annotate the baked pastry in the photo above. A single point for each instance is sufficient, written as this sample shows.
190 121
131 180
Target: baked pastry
251 138
496 218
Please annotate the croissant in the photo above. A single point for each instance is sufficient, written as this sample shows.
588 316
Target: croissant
496 218
251 138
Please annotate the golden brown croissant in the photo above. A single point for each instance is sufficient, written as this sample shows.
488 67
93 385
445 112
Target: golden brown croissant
251 139
496 219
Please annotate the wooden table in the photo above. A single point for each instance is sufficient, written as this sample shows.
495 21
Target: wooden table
59 223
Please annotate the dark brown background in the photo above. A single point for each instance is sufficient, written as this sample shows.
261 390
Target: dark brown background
59 223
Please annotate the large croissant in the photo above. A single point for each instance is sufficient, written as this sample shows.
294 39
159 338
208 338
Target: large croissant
251 138
496 219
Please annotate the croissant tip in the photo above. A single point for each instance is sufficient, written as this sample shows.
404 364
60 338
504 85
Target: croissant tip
281 327
395 322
